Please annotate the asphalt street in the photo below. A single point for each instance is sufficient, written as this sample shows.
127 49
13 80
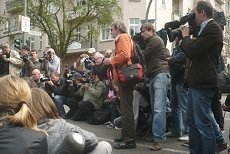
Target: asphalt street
170 146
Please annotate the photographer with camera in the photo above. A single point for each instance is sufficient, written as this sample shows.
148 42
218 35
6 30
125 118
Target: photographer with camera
203 51
100 67
57 88
157 71
10 61
31 61
86 62
93 97
75 83
50 62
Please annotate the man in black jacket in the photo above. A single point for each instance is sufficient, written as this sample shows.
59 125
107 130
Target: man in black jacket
203 52
57 88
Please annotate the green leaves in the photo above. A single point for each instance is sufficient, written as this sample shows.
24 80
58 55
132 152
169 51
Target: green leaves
59 19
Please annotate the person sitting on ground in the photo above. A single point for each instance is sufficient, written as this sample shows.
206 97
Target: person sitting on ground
93 92
18 126
57 88
46 114
74 92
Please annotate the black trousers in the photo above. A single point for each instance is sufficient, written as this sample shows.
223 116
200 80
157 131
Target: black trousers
217 109
84 112
126 109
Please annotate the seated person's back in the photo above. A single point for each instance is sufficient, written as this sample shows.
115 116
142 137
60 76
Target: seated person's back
18 127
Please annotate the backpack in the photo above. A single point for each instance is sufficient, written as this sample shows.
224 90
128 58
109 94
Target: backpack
100 117
137 55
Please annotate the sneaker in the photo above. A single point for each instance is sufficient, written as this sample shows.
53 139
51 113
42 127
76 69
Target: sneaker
125 145
117 128
119 139
184 138
108 123
185 143
221 147
156 146
110 126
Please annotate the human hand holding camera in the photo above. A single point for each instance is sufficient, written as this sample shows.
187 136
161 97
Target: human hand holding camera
4 58
185 30
50 83
86 86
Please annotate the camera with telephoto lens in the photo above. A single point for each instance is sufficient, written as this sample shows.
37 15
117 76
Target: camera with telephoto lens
44 79
173 30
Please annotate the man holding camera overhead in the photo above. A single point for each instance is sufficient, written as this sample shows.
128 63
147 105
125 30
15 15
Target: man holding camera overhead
50 62
204 134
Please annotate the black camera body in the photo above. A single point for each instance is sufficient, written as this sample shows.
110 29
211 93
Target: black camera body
42 59
173 30
44 79
26 58
85 78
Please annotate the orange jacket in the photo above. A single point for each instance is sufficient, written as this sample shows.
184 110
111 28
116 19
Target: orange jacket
123 47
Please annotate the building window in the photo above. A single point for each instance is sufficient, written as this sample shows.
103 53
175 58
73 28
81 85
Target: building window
14 24
81 2
163 4
134 26
40 46
32 43
6 26
78 34
7 4
105 34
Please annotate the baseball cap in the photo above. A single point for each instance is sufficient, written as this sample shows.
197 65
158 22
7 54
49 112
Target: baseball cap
76 75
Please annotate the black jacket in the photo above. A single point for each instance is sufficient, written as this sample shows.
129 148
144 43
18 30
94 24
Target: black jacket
59 88
177 64
203 53
15 139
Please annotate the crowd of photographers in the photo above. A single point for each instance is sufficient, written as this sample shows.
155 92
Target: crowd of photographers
92 87
82 90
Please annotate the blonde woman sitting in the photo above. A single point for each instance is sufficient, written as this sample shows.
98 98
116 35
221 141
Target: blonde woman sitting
18 127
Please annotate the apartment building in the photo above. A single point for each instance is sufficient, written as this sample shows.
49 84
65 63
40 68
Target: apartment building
10 30
133 12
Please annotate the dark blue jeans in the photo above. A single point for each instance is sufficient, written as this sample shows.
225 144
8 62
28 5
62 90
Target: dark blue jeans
59 101
178 103
204 132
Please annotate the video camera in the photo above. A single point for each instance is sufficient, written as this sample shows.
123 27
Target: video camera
173 30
